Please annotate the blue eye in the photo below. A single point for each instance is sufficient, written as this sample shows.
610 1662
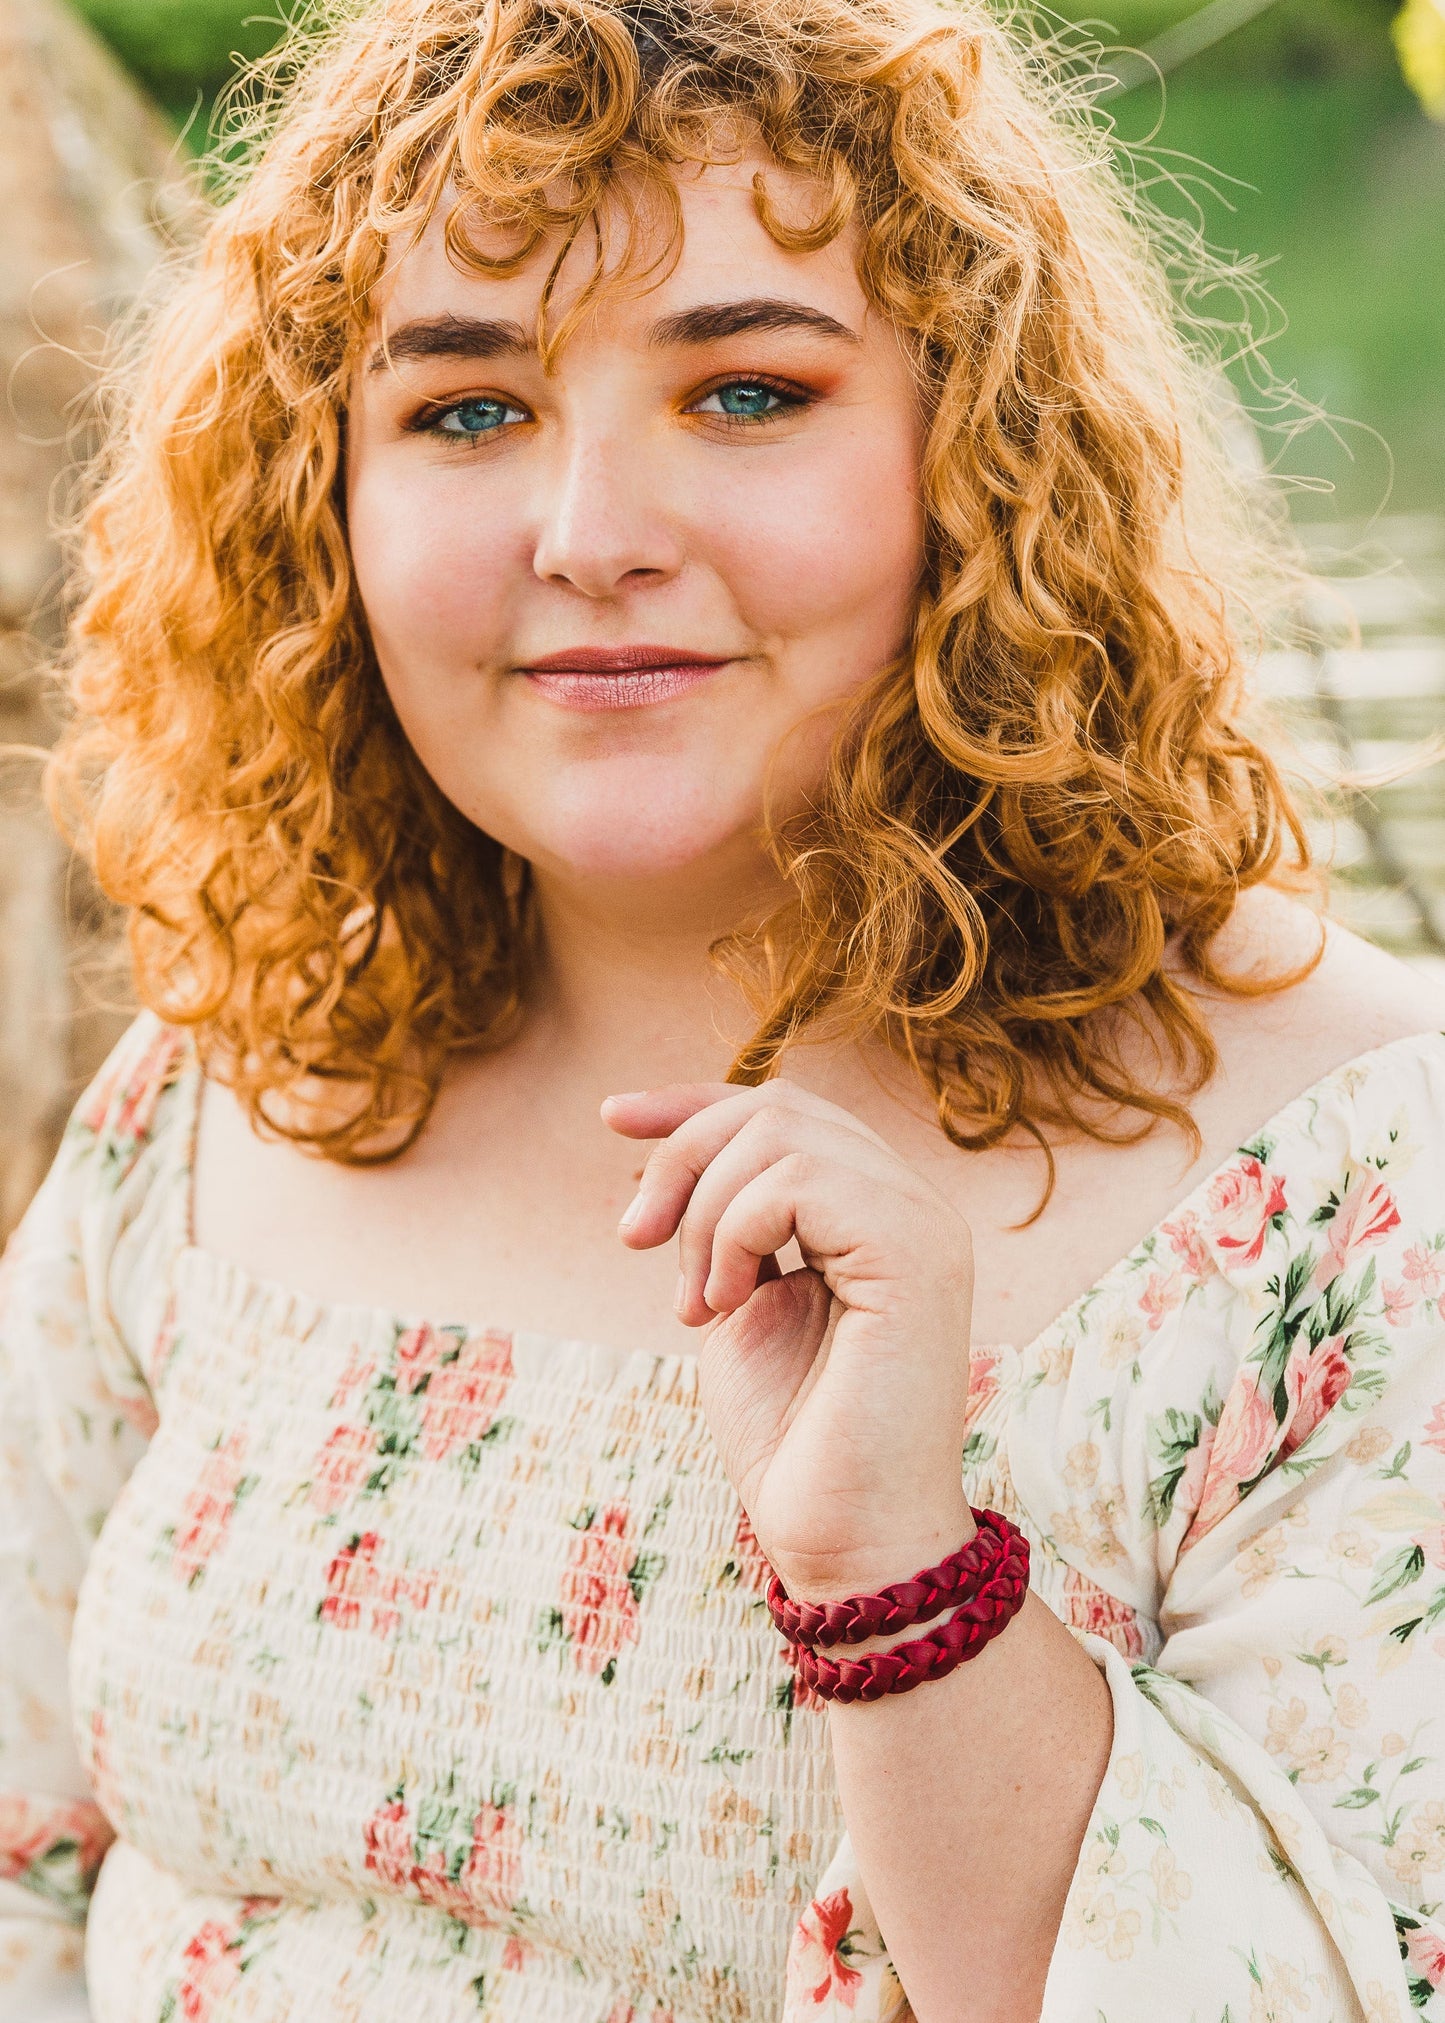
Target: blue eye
470 419
746 400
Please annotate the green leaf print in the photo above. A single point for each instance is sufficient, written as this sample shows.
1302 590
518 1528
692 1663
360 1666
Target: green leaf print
1173 1439
644 1570
1395 1571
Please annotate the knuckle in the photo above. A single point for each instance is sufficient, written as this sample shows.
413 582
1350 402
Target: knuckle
799 1169
773 1120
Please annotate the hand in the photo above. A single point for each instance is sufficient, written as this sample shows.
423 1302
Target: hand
835 1393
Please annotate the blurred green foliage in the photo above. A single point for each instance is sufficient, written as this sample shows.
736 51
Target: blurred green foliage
185 51
1290 40
1292 139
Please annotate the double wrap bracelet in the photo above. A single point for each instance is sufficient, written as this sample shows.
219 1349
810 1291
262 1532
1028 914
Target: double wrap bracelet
984 1583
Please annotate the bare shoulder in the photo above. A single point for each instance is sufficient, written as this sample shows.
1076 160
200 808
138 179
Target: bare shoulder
1355 999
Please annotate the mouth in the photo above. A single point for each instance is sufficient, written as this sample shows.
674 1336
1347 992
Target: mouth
620 677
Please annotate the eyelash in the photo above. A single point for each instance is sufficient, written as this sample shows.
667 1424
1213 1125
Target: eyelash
792 397
429 420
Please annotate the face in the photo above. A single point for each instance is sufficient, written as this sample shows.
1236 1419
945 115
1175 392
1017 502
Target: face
618 605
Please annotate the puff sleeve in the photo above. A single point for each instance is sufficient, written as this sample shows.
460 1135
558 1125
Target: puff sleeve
74 1419
1251 1455
1229 1456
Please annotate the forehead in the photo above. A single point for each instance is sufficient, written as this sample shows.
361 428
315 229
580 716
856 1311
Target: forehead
723 251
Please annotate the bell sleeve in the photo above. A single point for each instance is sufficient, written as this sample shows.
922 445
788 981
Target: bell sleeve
74 1420
1268 1845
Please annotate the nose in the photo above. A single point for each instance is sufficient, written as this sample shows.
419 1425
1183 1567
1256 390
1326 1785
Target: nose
605 527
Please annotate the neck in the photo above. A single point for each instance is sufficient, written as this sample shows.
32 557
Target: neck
627 984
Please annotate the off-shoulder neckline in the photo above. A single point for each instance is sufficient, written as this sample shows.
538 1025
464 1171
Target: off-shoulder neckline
250 1289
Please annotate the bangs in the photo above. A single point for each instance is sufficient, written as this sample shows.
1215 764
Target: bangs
1055 783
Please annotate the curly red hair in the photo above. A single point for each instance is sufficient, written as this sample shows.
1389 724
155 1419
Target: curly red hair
1052 786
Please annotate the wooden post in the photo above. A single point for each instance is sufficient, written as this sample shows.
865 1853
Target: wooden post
87 167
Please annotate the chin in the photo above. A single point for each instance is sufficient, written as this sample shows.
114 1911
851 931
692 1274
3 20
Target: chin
629 828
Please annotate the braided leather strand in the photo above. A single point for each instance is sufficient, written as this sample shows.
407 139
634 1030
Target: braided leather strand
955 1580
914 1663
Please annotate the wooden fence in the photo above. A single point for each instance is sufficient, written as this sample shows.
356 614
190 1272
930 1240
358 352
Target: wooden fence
87 171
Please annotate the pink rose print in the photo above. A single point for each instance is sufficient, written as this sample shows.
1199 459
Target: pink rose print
1088 1607
623 2012
1162 1293
85 1828
1242 1444
1425 1957
54 1847
389 1849
1434 1434
816 1964
434 1885
148 1078
1186 1240
211 1968
464 1396
462 1384
361 1591
340 1468
138 1410
490 1875
419 1355
599 1609
1365 1216
1399 1304
207 1511
1242 1202
1196 1472
1316 1383
982 1382
805 1697
1424 1267
353 1380
101 1769
24 1835
492 1878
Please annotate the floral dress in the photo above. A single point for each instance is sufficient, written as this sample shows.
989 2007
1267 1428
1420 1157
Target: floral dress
356 1667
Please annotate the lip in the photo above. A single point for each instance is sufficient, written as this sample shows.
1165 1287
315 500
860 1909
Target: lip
620 677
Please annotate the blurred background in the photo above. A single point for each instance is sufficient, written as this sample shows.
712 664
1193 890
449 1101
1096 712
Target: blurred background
1302 139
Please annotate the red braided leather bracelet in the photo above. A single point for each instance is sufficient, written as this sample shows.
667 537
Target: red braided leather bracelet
904 1666
954 1580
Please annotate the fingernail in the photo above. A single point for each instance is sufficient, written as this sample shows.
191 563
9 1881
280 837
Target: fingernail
631 1212
679 1298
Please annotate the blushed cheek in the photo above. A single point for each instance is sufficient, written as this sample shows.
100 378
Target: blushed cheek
831 564
432 580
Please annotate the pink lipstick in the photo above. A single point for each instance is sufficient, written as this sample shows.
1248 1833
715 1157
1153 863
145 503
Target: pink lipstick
620 677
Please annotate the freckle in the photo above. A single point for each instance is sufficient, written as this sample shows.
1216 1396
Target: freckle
638 1174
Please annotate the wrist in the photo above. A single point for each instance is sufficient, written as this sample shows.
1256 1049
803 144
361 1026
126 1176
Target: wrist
900 1554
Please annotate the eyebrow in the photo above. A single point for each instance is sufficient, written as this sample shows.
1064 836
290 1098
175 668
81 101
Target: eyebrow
450 337
711 320
475 337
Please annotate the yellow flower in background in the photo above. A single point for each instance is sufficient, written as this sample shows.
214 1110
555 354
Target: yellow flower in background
1420 39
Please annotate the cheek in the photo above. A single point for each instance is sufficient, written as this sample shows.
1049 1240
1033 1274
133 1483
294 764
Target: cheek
828 559
431 568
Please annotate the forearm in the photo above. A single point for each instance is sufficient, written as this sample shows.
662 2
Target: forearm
966 1802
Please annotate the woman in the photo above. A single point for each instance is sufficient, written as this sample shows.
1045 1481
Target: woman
674 551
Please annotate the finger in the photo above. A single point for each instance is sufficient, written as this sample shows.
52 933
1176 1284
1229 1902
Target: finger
769 1135
674 1167
858 1230
759 1219
656 1113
